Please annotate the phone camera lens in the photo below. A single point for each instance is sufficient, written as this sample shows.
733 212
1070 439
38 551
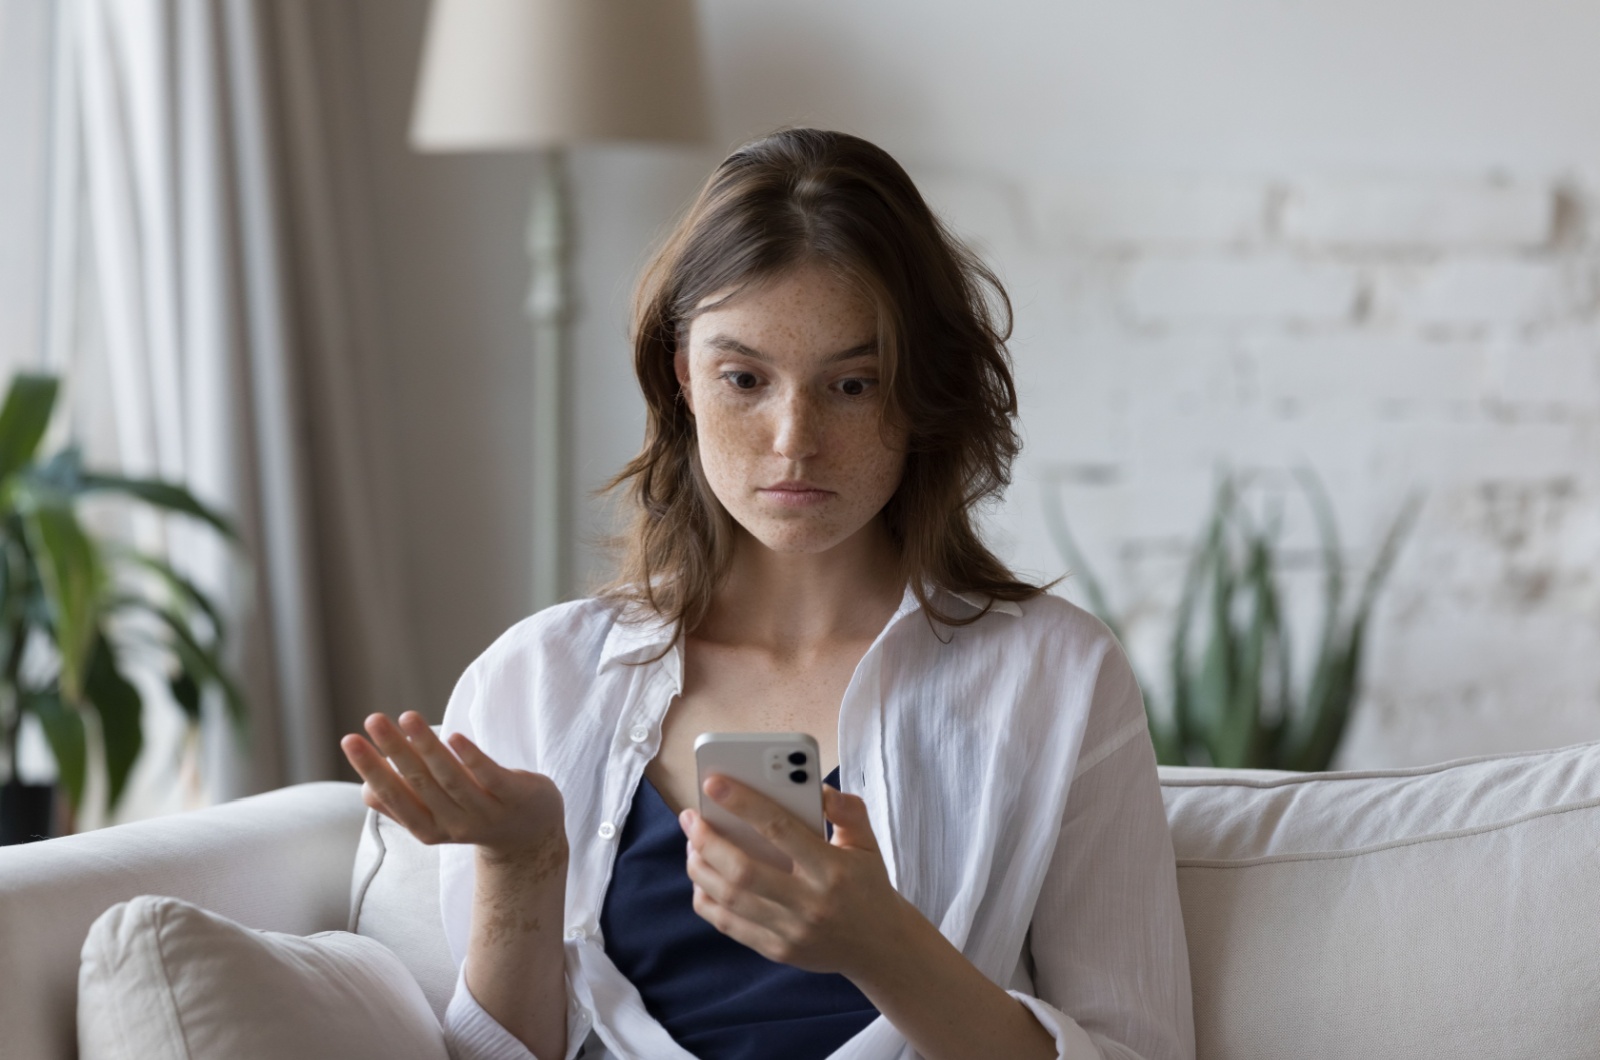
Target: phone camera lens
799 775
797 758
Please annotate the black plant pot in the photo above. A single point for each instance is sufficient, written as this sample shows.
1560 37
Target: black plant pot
26 812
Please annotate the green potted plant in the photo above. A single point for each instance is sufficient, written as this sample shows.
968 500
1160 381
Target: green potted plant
79 602
1233 702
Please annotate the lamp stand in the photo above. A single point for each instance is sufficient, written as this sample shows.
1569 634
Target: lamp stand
549 308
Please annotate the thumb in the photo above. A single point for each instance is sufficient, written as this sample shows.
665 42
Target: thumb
848 814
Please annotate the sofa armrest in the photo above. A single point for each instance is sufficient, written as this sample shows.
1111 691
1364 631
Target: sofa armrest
280 861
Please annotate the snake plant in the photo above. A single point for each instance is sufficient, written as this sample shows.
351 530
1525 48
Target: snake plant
1233 701
81 602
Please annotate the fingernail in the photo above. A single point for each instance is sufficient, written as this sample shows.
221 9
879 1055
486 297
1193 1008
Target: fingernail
717 788
686 819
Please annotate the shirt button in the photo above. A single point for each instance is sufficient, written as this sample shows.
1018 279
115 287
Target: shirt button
607 830
574 934
638 734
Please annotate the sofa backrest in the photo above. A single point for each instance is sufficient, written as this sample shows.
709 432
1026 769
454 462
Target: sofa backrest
1446 911
277 861
394 898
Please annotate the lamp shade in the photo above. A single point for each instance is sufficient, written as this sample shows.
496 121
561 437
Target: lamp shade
510 74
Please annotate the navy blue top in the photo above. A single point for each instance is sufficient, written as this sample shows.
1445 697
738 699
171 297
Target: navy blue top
718 998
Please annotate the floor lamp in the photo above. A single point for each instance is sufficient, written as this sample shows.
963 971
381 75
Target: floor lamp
515 75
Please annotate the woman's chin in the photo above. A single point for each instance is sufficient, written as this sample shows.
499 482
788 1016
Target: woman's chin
789 539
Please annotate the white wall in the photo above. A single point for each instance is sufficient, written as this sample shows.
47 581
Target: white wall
1357 234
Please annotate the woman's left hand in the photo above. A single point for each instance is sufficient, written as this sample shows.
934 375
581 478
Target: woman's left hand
831 912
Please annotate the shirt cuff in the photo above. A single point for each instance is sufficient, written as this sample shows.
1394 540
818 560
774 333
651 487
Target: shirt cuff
1072 1041
470 1033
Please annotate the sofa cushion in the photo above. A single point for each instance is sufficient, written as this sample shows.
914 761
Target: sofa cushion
160 978
394 898
1445 911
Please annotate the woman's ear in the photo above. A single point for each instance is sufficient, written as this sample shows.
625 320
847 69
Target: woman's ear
680 368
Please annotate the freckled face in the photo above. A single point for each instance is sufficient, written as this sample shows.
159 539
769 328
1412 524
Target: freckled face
783 382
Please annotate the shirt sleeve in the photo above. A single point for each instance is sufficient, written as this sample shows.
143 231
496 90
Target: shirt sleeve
1107 940
470 1033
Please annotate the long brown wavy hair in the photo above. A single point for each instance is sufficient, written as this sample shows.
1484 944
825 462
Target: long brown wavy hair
804 196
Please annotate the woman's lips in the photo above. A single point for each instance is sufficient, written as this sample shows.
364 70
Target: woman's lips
795 494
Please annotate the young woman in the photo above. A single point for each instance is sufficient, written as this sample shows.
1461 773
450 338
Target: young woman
828 395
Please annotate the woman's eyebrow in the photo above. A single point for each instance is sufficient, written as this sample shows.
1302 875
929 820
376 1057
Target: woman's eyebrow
729 344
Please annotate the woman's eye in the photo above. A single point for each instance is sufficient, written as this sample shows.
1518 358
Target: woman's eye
741 380
855 387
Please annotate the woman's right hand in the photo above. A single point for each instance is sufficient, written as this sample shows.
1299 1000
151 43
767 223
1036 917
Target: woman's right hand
460 797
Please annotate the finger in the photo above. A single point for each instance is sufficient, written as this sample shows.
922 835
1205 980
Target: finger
447 770
756 936
387 785
372 800
740 897
774 823
489 774
851 825
730 861
393 743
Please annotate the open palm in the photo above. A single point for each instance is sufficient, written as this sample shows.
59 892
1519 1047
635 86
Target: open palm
454 793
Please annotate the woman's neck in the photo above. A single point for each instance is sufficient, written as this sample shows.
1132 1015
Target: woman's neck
796 602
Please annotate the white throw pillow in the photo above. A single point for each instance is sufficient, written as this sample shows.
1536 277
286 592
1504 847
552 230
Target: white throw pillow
160 978
1446 911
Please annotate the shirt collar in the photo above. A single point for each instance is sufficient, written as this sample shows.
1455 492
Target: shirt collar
977 600
638 633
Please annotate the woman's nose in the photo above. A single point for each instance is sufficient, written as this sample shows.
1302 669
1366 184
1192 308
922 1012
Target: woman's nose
799 427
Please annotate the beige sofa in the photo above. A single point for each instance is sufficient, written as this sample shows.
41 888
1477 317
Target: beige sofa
1446 911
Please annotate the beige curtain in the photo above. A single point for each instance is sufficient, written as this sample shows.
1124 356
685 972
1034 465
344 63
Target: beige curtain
219 269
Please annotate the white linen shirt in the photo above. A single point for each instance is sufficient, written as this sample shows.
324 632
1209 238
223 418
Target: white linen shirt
1007 771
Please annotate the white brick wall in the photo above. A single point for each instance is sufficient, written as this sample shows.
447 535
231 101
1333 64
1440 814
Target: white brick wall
1480 290
1240 288
1549 374
1424 215
1392 333
1141 213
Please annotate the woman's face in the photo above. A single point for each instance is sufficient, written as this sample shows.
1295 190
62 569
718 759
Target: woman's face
782 379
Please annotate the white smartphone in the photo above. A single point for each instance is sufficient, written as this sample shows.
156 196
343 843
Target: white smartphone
784 766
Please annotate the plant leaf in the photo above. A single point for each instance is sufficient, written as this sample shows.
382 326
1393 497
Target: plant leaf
1328 726
119 706
63 728
1342 681
165 495
1388 552
202 663
72 576
24 419
1240 726
181 587
1163 735
186 691
62 472
1186 711
1219 665
1211 693
1067 545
